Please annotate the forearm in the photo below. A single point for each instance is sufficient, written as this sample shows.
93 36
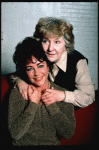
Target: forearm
20 83
81 97
15 78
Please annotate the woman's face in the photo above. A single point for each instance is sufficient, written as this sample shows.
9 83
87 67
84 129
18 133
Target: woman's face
37 72
53 48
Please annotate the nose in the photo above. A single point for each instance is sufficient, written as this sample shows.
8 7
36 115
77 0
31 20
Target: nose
36 72
51 47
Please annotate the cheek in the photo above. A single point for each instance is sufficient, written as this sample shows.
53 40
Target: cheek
45 72
30 75
45 47
60 49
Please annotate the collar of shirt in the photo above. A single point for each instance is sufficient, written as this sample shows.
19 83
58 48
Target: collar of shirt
62 62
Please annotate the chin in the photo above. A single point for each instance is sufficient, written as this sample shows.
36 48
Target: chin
39 84
52 59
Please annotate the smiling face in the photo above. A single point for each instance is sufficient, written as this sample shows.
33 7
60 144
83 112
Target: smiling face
37 72
53 48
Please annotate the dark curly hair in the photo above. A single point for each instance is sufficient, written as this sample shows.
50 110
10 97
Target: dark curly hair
23 52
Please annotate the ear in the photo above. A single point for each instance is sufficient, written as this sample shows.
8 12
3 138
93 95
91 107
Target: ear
65 48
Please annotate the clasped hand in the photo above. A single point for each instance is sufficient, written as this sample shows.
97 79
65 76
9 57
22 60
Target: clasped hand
51 96
48 97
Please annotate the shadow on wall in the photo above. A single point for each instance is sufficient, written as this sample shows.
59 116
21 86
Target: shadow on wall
7 69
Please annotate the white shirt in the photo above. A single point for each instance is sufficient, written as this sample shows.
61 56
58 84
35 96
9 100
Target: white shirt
84 95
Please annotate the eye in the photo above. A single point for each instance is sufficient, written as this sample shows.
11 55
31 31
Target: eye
29 69
57 42
45 41
40 66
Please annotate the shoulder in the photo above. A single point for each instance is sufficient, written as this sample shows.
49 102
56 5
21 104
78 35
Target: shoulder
76 56
82 64
15 97
76 53
15 92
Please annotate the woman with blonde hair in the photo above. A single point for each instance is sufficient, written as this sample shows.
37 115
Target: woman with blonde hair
70 67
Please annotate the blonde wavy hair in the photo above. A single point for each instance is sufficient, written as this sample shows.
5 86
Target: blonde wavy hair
55 27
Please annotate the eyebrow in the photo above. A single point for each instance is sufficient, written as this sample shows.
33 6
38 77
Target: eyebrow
45 38
48 38
29 66
37 64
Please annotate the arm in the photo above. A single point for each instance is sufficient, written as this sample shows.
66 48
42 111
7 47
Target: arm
62 115
84 95
20 116
22 85
15 78
55 94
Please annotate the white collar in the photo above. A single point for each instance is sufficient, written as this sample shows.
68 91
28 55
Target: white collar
62 62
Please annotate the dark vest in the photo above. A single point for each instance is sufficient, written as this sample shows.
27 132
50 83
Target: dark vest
67 79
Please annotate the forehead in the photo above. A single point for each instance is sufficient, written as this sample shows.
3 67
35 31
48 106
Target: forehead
54 37
34 60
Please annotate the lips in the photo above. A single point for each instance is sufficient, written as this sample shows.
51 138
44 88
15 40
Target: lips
38 78
50 55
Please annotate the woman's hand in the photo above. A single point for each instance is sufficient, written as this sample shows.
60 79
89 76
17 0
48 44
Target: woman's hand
51 96
23 87
34 94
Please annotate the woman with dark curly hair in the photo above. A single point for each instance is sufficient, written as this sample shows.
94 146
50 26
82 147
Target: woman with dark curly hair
33 121
70 68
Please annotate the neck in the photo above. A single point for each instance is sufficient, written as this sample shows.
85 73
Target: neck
44 87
